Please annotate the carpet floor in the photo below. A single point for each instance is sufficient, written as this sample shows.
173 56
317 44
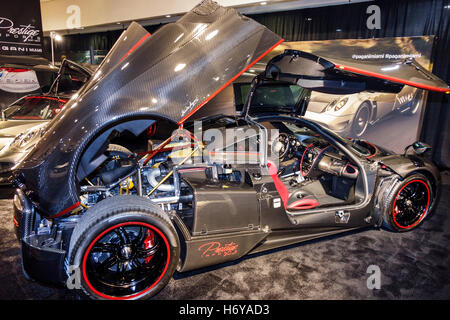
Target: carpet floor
413 265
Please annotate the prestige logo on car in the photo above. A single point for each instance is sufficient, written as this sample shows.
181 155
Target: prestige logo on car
216 248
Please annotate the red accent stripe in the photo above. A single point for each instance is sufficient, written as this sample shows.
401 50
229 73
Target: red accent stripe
26 118
378 75
59 214
46 98
14 70
301 161
15 222
229 82
135 46
376 150
349 165
279 185
105 232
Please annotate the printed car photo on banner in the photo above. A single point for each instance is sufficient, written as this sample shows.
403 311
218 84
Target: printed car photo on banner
387 119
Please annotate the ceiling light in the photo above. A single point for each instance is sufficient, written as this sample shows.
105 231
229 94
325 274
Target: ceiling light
263 3
55 36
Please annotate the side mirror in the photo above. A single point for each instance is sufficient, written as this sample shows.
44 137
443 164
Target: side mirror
419 147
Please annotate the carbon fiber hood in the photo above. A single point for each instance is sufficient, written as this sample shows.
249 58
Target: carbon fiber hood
169 74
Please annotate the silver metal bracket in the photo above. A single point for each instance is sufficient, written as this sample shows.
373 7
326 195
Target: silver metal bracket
342 216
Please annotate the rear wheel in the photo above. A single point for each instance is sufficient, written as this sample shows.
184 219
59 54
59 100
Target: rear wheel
408 203
125 247
361 120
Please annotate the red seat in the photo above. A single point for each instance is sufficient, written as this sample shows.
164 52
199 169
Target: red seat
281 188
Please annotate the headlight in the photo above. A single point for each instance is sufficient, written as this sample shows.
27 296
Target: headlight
340 104
25 138
336 104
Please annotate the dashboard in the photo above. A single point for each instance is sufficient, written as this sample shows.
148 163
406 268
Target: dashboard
312 155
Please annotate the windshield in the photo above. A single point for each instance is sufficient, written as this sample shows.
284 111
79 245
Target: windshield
46 78
278 96
359 149
70 80
35 108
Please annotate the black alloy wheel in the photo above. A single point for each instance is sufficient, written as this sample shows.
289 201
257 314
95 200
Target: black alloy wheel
126 259
411 204
125 247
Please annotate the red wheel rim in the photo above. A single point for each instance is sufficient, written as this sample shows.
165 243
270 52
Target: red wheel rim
411 204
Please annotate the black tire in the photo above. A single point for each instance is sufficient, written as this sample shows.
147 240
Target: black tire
124 213
412 199
24 272
361 120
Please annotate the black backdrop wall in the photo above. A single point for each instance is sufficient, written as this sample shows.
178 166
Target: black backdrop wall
398 18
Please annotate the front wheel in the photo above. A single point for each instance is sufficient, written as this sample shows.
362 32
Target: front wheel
125 247
408 203
361 120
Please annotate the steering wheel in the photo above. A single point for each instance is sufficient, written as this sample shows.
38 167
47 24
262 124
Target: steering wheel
280 145
307 163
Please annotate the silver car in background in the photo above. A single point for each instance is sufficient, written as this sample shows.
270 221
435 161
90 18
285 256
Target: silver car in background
350 115
24 121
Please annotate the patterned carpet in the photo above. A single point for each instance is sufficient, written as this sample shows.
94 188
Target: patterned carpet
413 265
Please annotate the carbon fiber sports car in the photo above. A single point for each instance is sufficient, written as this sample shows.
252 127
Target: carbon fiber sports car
122 189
